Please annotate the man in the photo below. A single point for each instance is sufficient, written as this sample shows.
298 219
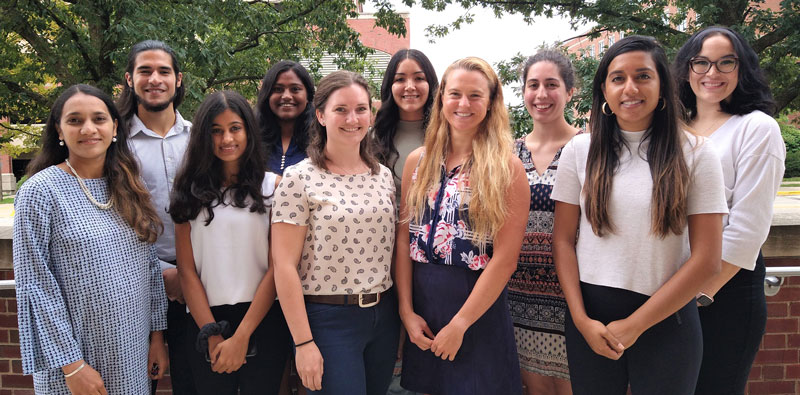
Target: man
152 91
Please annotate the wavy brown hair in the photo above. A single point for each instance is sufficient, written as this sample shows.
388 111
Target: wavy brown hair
488 166
664 154
319 137
131 198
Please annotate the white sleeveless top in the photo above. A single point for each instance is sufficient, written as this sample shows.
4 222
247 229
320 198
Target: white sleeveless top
231 254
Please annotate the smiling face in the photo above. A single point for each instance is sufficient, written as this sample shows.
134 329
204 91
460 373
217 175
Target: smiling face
545 94
229 137
465 100
632 90
288 97
154 81
714 86
86 127
410 90
346 116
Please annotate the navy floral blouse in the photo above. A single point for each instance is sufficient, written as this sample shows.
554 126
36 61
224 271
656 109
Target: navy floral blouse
446 212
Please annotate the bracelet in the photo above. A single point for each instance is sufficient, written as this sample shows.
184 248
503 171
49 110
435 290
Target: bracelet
304 343
83 365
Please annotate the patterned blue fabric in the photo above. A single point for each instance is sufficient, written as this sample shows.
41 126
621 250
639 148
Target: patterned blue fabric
446 212
278 161
86 286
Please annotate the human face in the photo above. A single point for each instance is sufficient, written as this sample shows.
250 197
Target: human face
154 81
288 97
632 89
713 86
410 90
86 127
545 94
228 136
465 101
346 116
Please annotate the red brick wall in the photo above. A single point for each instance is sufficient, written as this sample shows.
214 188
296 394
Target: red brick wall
777 366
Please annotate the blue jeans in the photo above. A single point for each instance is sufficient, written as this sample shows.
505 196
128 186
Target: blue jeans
358 345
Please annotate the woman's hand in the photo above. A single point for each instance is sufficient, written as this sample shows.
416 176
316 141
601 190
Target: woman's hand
448 341
85 382
625 331
309 366
601 339
213 341
157 357
230 354
418 331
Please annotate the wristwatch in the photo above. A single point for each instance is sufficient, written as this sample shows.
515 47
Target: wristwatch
704 300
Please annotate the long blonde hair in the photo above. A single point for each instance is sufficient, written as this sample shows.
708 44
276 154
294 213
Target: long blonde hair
487 168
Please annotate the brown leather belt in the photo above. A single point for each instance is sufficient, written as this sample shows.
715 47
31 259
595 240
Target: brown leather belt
362 300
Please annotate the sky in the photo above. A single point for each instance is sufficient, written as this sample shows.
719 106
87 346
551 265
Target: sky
487 37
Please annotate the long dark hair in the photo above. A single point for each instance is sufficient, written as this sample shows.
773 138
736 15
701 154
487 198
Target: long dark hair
131 198
752 91
200 181
389 114
127 102
664 151
268 122
319 136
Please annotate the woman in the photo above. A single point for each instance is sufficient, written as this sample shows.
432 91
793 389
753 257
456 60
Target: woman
91 302
465 204
640 188
220 206
335 221
728 100
406 101
536 302
285 114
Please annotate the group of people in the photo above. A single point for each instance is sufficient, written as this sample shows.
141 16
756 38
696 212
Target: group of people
626 257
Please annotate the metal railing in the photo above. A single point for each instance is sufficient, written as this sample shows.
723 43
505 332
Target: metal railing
772 283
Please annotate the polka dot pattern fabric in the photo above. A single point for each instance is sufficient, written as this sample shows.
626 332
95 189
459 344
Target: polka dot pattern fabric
86 286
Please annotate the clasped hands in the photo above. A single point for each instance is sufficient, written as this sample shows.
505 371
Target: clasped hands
610 340
444 344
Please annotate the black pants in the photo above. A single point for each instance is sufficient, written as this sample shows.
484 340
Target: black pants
664 360
175 335
263 372
732 330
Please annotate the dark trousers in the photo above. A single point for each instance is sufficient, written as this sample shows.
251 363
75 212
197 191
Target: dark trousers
358 345
732 330
263 372
664 360
175 335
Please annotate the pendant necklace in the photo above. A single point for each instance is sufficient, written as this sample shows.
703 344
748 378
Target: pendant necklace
101 206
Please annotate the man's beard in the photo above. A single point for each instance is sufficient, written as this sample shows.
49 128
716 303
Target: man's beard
155 107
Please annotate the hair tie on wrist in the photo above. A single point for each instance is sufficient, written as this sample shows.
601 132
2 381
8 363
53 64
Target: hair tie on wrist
304 343
68 375
208 330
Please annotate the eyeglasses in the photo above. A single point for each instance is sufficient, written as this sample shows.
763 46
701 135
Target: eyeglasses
726 64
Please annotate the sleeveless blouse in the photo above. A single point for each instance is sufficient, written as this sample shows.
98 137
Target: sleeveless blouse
444 236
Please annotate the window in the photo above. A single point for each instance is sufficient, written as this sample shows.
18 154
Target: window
600 48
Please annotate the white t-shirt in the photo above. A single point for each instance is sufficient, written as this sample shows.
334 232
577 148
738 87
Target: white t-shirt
633 258
752 153
231 254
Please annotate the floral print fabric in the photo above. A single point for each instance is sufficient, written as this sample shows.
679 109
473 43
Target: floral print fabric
446 213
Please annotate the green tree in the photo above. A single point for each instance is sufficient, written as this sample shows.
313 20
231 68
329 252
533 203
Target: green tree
48 45
772 33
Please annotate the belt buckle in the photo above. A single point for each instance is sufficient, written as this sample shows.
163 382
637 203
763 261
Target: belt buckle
370 304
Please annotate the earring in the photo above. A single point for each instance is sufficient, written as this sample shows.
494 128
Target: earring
114 139
604 107
663 103
61 142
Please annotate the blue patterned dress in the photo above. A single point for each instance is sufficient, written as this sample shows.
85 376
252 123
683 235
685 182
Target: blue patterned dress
86 286
446 267
535 298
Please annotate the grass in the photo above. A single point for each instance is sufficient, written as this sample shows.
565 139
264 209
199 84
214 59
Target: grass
8 200
790 182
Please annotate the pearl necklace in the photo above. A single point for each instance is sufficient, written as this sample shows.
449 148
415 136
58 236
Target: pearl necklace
101 206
